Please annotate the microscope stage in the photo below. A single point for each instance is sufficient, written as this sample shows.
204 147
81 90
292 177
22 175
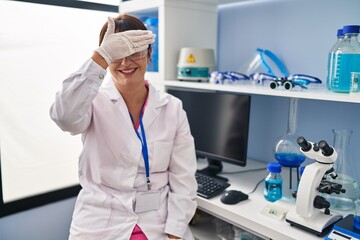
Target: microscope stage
319 224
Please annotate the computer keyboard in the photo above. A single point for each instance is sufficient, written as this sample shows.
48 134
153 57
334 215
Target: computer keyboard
209 187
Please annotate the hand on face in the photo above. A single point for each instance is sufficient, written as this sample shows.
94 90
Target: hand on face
122 44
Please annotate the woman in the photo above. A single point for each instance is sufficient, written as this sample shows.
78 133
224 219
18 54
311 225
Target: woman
138 160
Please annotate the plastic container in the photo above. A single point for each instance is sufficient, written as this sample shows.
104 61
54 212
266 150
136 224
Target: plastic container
273 183
346 60
331 58
152 25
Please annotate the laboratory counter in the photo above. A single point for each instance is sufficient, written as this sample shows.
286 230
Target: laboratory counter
247 214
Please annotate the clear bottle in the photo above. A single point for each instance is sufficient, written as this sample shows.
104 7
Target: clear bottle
346 59
152 25
331 57
346 172
273 182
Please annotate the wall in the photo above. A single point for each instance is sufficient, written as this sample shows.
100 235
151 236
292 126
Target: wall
300 33
49 222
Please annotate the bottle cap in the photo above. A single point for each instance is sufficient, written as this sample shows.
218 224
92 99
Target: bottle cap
351 29
340 32
274 167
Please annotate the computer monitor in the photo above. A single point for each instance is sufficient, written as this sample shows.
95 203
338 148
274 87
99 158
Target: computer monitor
219 123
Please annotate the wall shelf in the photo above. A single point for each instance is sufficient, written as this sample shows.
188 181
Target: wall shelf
189 32
318 93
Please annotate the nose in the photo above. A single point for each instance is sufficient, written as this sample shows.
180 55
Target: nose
124 61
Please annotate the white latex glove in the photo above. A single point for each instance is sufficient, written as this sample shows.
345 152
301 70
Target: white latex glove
122 44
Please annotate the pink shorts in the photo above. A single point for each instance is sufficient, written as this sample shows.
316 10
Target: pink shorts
138 234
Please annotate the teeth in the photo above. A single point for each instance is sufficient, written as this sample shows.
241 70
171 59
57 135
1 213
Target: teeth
128 70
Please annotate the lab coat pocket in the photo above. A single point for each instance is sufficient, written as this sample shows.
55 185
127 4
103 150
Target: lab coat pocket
161 158
92 213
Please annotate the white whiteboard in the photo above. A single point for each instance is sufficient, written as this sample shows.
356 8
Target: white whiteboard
40 45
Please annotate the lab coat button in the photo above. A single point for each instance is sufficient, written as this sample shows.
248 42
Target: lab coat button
101 76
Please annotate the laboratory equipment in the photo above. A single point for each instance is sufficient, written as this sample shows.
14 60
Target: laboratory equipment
227 77
287 83
287 152
273 182
347 60
264 61
274 211
346 172
219 123
311 211
152 25
195 64
331 57
344 230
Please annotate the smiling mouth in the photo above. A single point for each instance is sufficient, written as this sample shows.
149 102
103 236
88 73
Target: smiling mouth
128 71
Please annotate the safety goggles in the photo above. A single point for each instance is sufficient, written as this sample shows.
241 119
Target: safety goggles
289 82
227 77
134 56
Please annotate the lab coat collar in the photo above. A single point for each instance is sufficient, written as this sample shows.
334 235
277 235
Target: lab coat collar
156 98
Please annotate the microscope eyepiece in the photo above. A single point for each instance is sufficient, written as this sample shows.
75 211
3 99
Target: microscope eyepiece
305 145
325 148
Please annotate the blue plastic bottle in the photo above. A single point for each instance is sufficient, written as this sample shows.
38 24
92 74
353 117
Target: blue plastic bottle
152 25
347 60
331 58
273 183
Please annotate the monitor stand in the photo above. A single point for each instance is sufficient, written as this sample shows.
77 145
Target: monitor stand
214 167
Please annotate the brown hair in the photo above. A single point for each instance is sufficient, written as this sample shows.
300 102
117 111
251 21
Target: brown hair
124 23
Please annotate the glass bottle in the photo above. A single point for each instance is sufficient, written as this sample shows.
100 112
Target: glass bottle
331 58
347 59
345 171
273 182
287 151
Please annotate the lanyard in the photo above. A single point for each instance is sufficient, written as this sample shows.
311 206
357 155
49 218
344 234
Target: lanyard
144 149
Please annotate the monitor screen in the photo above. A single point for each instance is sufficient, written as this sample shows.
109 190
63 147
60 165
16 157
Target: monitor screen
219 123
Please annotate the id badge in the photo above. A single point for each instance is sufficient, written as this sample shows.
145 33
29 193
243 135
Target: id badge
147 201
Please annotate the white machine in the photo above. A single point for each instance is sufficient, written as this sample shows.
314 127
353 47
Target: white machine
195 64
312 212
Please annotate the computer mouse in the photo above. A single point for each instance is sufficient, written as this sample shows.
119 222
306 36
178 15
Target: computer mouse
233 197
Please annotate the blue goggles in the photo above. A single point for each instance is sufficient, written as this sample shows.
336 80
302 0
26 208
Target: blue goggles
289 82
227 77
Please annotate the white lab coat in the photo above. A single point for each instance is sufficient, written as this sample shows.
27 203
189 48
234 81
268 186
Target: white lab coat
111 166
